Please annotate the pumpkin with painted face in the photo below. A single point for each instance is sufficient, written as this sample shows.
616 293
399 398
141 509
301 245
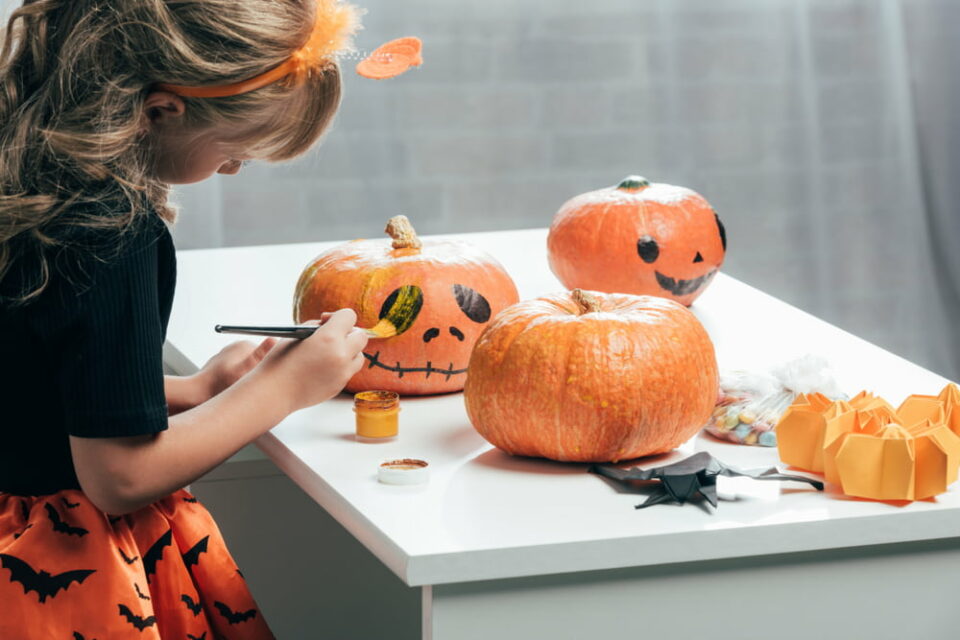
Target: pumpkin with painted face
638 237
439 295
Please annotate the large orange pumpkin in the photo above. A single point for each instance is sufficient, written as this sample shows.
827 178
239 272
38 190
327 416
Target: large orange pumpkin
591 377
637 237
447 291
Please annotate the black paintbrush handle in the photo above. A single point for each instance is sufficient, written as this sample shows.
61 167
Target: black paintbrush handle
295 331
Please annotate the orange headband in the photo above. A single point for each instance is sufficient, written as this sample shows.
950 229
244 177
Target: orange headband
333 28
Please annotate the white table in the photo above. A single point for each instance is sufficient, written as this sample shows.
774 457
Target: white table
520 548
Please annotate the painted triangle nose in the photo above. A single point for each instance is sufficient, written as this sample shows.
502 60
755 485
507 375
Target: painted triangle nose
699 257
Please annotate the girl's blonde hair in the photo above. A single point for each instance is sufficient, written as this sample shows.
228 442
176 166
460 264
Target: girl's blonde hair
73 78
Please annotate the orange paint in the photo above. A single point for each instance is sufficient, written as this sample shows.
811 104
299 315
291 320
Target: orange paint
378 414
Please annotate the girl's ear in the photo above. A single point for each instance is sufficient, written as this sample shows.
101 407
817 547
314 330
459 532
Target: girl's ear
161 107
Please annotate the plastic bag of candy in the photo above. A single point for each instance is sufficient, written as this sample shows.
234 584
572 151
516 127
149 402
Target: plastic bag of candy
750 403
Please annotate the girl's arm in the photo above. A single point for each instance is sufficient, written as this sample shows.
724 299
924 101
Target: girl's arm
121 475
225 368
184 392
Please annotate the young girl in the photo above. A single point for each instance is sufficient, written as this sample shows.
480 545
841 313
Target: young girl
103 104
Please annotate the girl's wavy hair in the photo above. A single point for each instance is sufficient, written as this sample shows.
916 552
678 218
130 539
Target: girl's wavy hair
74 75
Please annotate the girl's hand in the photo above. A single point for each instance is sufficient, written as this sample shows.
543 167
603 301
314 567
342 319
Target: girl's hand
309 371
232 363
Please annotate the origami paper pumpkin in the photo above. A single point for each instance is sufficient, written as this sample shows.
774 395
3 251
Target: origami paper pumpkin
870 449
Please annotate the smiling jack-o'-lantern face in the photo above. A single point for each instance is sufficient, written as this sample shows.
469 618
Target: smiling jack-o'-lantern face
639 238
440 296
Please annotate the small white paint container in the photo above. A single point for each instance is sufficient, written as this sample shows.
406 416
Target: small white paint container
403 471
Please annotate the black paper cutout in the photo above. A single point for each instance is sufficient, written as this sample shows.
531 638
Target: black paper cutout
681 481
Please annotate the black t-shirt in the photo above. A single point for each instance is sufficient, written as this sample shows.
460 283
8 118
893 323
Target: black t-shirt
84 359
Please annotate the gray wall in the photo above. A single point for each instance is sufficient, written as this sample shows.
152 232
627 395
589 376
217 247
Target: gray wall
796 119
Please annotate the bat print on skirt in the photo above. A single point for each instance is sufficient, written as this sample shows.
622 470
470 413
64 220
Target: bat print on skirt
68 570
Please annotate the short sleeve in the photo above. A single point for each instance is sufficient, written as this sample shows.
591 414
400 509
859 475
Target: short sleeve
112 378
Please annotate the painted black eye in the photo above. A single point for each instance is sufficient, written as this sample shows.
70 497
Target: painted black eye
402 307
456 333
474 305
430 334
648 249
723 232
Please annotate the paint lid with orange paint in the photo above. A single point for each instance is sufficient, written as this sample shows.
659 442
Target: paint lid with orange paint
403 471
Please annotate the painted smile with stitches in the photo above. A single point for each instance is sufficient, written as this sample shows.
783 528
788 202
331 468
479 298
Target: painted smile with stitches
374 361
684 287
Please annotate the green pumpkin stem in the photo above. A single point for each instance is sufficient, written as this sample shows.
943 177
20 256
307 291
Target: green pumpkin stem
403 234
633 183
586 302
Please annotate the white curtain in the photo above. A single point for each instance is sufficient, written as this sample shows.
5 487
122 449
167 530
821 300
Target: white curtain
825 132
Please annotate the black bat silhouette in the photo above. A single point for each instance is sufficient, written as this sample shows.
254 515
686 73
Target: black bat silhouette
192 556
68 504
681 481
114 519
79 636
155 553
135 620
190 499
190 636
140 595
17 535
45 584
125 558
193 606
60 526
234 617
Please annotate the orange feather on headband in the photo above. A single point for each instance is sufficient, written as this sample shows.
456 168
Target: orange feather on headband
334 26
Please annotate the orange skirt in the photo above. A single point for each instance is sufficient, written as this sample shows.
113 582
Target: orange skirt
68 570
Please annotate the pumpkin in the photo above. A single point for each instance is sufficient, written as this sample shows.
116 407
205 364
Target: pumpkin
439 295
591 377
640 238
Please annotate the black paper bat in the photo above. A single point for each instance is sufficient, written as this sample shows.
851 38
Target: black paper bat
191 499
79 636
681 481
135 620
193 606
17 535
45 584
125 558
190 636
60 526
114 519
139 593
155 553
234 617
192 556
68 504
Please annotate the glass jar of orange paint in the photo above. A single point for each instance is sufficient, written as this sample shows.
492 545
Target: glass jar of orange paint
378 415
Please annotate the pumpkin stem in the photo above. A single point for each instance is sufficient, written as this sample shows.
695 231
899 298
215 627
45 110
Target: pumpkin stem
586 302
403 234
633 183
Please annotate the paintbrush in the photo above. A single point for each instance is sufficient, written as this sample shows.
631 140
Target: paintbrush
383 329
